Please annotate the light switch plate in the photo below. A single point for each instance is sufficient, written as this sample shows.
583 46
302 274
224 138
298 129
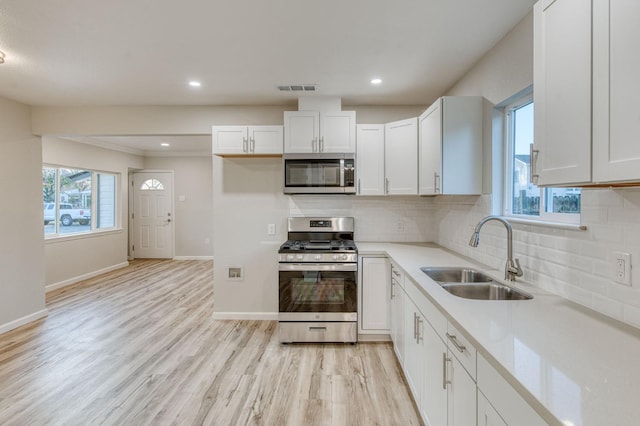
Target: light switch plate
271 229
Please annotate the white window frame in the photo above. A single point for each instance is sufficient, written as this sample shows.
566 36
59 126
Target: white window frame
93 225
509 132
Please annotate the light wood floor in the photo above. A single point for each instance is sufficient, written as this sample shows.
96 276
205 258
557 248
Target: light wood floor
138 346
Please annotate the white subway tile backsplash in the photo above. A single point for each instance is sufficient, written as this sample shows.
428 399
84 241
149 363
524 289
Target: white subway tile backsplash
577 265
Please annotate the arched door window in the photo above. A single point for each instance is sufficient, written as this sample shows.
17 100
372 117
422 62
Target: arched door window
152 185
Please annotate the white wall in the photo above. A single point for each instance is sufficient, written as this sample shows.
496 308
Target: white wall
193 224
573 264
71 258
21 252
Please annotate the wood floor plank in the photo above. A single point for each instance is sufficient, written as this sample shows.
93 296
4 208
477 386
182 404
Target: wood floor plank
139 346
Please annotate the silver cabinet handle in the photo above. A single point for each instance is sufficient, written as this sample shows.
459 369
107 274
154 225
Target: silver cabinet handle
436 182
245 145
415 327
359 192
314 145
253 145
317 328
393 284
445 381
386 185
533 155
455 342
419 333
395 272
321 144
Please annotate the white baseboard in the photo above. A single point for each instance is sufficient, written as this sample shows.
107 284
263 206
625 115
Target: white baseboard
261 316
24 320
192 257
374 338
79 278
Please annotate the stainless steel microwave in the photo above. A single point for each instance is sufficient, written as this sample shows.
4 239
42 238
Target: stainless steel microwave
319 173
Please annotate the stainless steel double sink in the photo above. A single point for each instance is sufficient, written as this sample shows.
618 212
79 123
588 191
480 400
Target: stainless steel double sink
473 284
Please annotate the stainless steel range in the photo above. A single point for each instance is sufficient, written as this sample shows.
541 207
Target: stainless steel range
318 270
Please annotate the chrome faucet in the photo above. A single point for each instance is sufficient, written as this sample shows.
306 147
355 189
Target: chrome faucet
512 267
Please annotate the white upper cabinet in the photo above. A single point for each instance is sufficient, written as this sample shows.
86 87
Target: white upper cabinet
450 146
317 132
585 82
247 140
401 157
616 111
370 158
562 92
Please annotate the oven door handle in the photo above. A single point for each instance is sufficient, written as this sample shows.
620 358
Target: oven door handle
317 266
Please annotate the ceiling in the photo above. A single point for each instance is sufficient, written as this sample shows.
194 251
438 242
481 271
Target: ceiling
145 52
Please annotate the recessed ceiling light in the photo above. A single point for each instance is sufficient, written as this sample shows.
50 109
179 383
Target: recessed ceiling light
376 81
194 84
165 144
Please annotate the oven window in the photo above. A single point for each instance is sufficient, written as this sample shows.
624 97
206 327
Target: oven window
318 291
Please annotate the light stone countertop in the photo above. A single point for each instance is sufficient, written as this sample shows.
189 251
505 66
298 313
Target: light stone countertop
564 359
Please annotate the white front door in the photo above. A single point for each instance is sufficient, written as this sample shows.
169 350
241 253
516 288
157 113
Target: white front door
153 215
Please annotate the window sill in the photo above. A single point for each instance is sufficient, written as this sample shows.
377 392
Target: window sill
556 225
80 236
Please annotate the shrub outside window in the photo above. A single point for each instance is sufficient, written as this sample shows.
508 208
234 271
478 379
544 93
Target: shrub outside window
78 200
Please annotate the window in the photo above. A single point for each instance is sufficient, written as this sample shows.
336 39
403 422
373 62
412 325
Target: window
522 198
68 197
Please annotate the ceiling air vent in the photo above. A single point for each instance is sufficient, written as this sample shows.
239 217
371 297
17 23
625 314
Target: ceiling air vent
298 88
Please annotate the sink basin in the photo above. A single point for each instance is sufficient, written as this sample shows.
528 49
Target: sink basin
456 275
493 291
472 284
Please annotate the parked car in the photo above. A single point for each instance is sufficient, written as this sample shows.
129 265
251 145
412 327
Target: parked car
67 214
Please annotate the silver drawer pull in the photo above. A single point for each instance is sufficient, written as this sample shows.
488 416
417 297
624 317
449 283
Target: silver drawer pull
458 346
445 382
317 328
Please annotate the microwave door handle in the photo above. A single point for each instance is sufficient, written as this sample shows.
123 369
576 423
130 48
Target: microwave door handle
341 173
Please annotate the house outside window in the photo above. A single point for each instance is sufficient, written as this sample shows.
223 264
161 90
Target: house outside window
78 201
523 199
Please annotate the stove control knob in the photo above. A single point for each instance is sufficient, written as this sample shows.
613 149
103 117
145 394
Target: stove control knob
345 257
318 257
299 256
289 257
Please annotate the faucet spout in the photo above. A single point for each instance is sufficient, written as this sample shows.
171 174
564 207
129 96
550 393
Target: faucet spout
512 267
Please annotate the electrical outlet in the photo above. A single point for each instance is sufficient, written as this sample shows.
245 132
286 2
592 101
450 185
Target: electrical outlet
400 225
271 229
622 268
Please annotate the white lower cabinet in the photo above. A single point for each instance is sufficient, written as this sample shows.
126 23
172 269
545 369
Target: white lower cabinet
461 394
433 401
487 415
375 283
507 403
397 312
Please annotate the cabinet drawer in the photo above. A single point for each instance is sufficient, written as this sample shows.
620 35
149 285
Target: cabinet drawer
462 349
511 406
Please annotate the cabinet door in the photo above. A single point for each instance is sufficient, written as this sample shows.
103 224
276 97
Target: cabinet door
265 139
487 415
413 354
430 137
230 140
616 67
433 404
397 319
375 285
401 153
301 131
562 92
338 132
461 397
370 157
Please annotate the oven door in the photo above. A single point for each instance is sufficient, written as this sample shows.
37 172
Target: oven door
318 292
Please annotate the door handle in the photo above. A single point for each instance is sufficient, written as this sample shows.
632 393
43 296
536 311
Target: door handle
436 182
533 156
445 381
459 347
321 144
245 145
253 145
